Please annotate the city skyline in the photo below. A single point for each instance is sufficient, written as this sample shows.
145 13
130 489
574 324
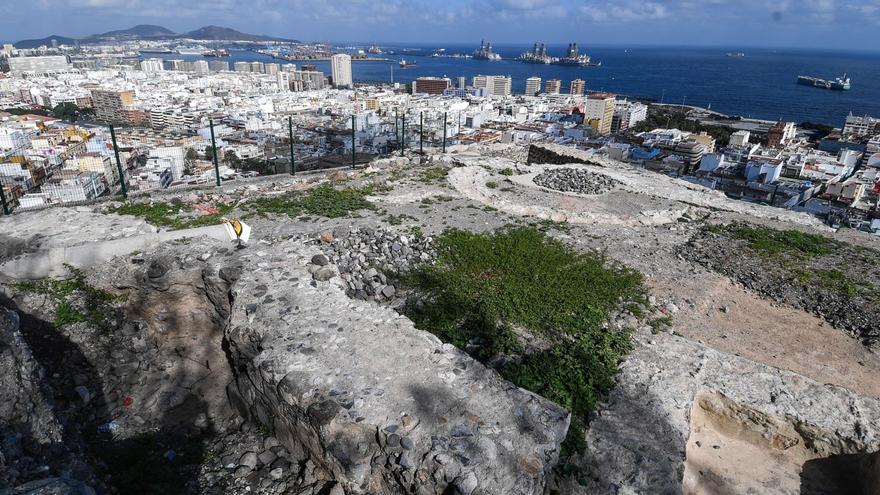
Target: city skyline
829 24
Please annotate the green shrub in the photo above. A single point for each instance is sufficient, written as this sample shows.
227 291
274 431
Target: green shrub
484 285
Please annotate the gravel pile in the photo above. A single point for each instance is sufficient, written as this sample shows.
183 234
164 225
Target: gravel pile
364 254
575 180
803 282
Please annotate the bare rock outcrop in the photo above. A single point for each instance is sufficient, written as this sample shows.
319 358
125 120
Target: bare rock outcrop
375 404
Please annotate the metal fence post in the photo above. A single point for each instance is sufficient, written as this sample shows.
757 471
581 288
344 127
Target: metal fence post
214 154
353 139
123 188
292 158
444 132
421 133
403 134
396 127
3 200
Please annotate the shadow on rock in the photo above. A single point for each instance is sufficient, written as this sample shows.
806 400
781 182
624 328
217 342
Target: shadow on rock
136 405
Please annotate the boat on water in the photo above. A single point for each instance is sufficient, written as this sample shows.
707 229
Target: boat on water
736 54
404 64
485 52
538 55
837 84
220 52
190 51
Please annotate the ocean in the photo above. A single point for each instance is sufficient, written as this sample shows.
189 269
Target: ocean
762 84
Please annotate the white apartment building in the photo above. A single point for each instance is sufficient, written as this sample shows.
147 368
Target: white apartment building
340 65
533 86
494 85
627 114
39 65
861 125
152 65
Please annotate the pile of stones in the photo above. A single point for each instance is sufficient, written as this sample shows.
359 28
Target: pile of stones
365 255
576 180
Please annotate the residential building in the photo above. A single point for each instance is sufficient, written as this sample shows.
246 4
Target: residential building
340 65
218 65
307 80
627 114
461 82
494 85
258 67
578 86
110 105
533 86
152 65
431 85
271 69
242 66
740 138
39 65
599 112
781 134
706 140
861 126
553 87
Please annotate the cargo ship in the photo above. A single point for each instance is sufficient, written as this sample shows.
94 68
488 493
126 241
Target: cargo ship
220 52
404 64
838 84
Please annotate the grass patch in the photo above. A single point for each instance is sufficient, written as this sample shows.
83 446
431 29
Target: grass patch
772 241
169 215
486 285
76 301
507 171
399 219
838 282
433 174
492 184
325 201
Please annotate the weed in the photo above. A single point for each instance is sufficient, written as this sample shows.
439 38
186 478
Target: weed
507 171
433 174
485 284
324 201
770 241
492 184
169 215
75 300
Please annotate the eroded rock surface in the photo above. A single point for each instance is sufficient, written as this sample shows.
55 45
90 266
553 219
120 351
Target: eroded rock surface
376 404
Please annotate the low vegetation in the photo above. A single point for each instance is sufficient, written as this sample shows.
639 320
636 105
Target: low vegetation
433 175
75 301
324 201
170 215
487 290
772 242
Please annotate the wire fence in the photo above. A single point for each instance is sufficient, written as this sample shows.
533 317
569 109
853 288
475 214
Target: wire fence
31 181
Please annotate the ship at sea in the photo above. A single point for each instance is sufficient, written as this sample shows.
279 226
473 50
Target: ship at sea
404 64
538 55
573 57
220 52
485 52
837 84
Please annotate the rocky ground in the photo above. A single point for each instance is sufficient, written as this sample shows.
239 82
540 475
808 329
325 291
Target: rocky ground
575 180
135 394
841 287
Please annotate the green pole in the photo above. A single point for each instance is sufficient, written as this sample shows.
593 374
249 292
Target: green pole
352 140
444 132
421 133
292 158
3 200
214 154
123 187
403 134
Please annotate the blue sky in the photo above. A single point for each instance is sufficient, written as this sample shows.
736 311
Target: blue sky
836 24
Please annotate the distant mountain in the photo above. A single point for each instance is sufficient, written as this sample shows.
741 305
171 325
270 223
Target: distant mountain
224 33
47 41
139 31
152 32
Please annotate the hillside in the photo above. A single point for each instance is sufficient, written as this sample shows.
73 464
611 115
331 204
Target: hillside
47 41
139 31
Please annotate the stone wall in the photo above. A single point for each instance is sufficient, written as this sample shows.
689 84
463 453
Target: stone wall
558 155
374 403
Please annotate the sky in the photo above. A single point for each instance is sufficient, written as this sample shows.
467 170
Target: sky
832 24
